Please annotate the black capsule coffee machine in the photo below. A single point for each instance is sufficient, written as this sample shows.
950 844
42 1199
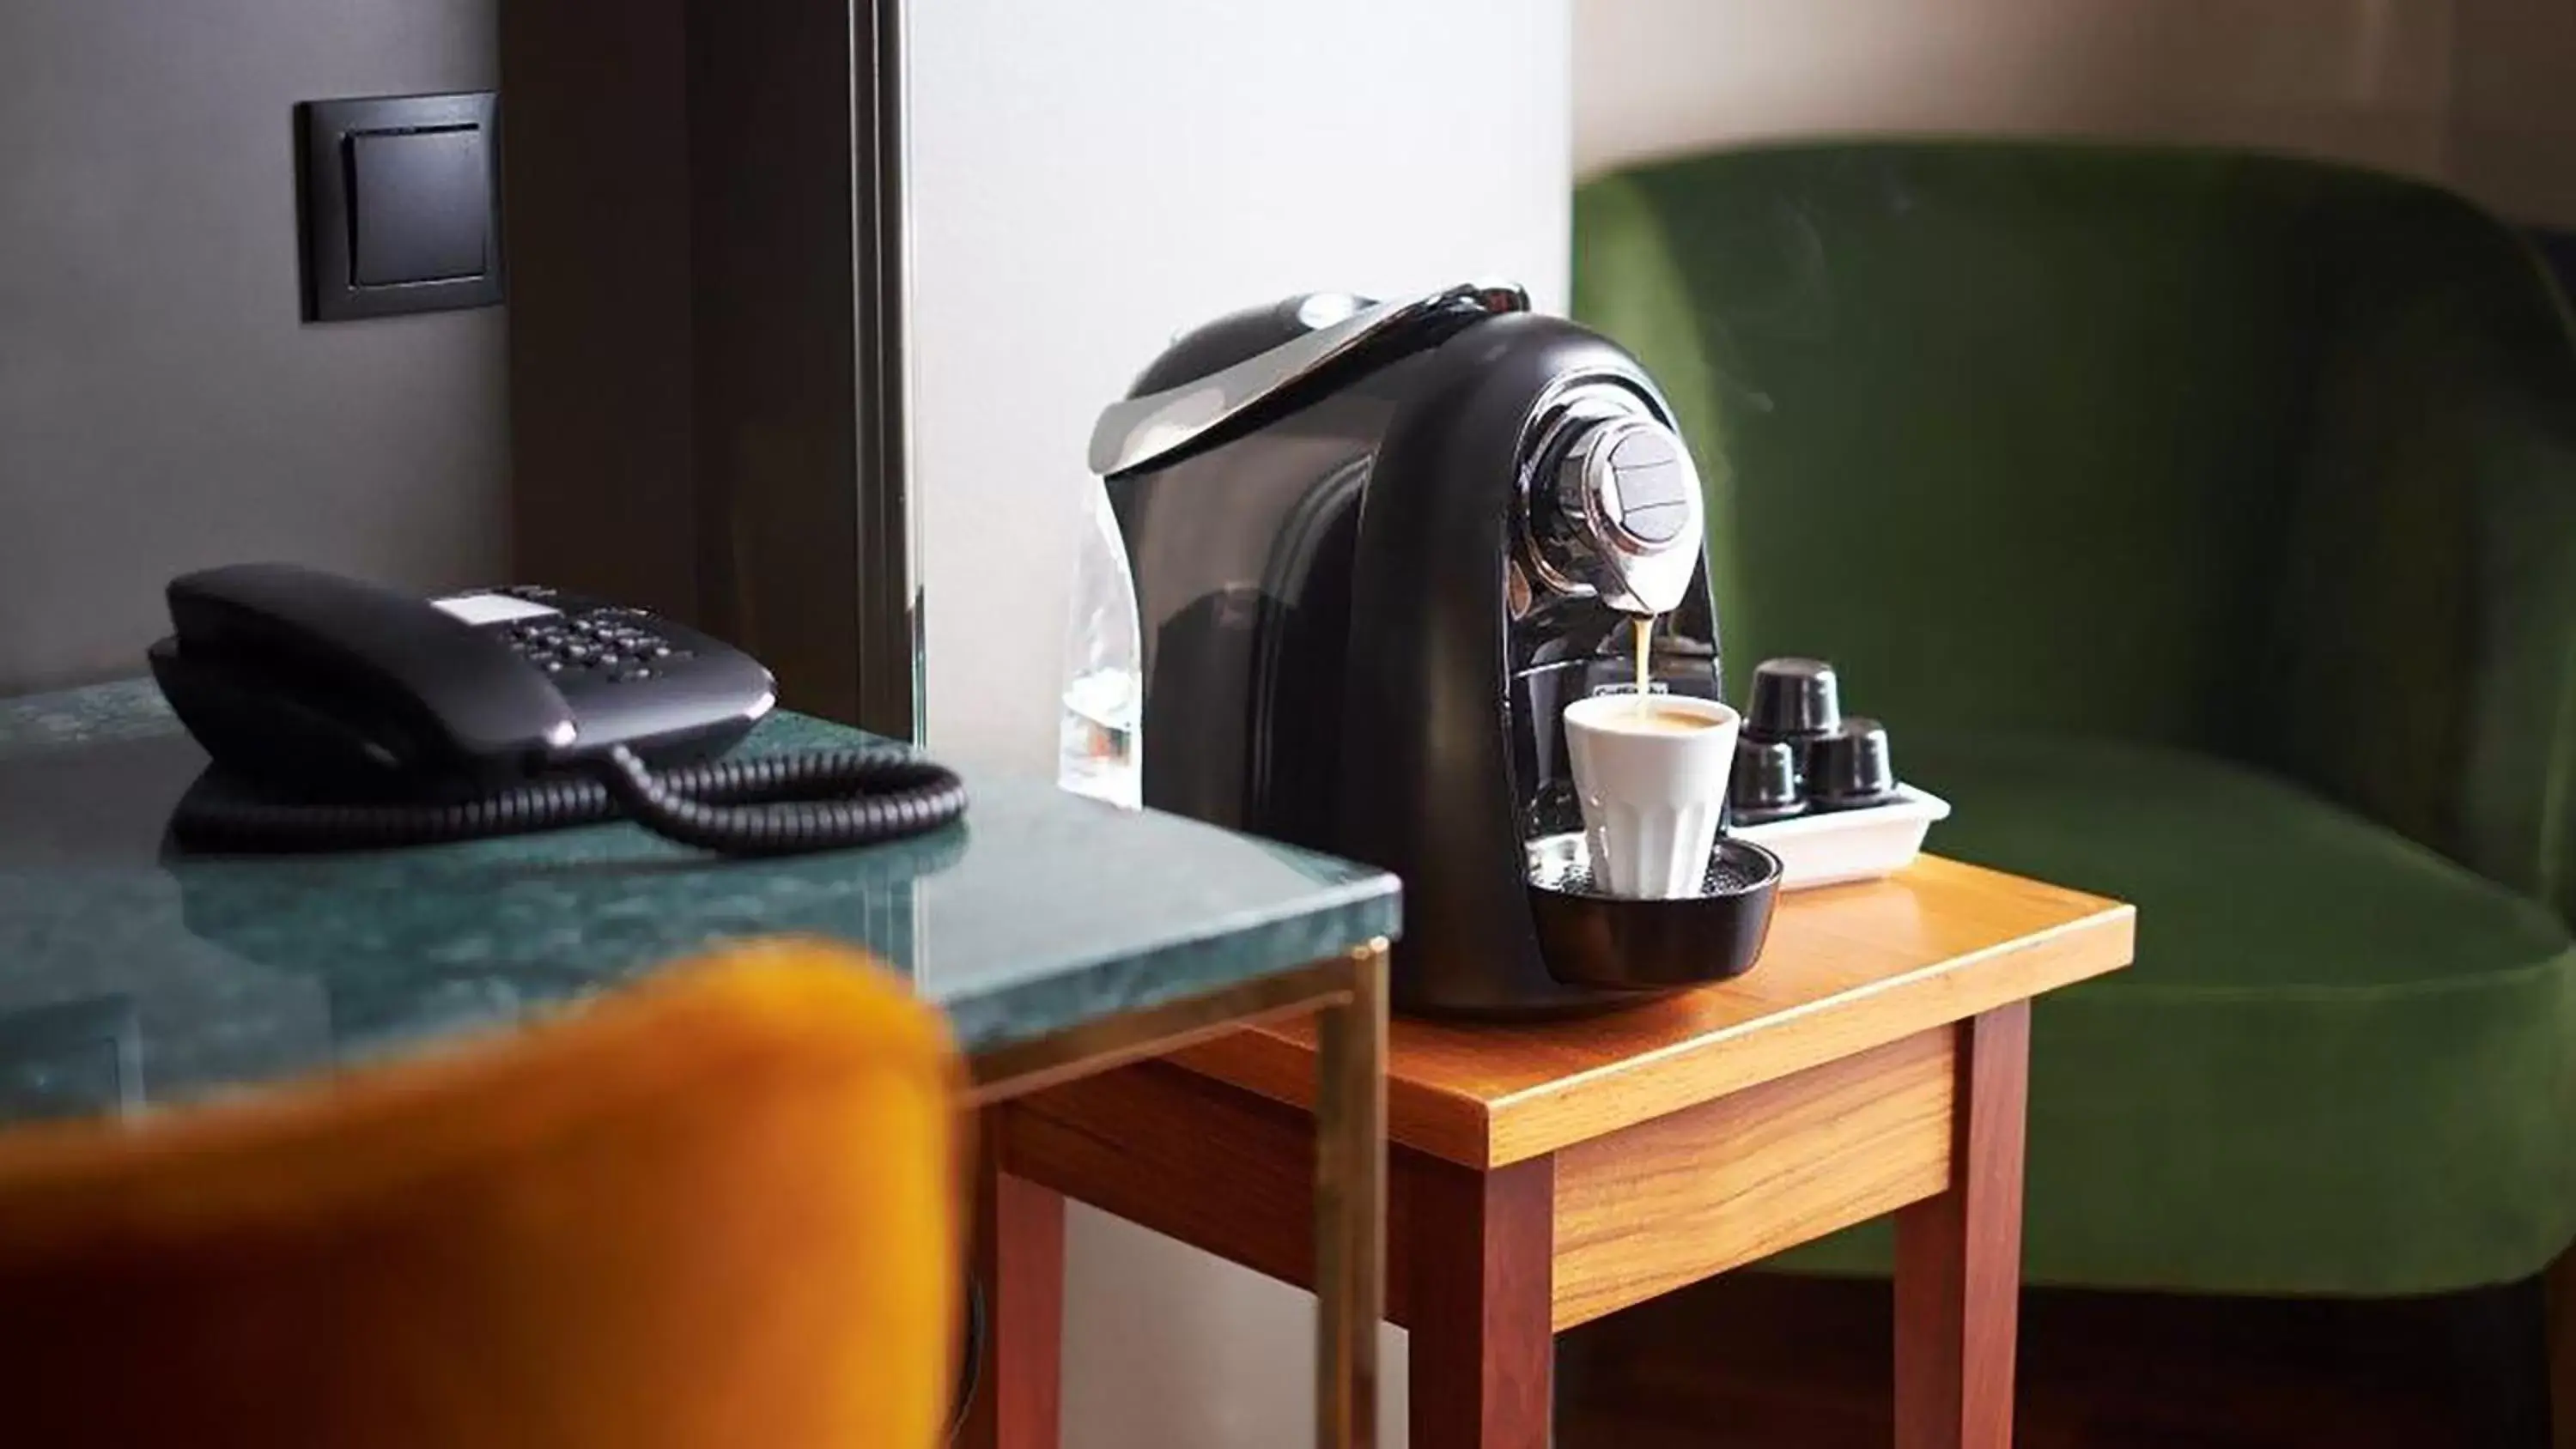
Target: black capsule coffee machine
1378 548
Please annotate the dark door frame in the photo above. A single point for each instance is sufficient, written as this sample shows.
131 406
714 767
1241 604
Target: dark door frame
708 379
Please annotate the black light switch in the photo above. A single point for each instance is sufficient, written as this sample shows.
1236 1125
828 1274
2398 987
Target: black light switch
421 204
399 205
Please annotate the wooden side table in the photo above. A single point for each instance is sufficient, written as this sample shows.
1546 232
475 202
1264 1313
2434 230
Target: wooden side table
1542 1176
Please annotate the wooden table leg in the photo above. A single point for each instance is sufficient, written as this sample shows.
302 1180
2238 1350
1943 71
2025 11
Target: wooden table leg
1482 1247
1958 1255
2560 1286
1350 1205
1019 1261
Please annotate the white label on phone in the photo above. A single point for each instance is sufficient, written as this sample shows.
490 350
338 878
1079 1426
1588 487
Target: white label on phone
489 608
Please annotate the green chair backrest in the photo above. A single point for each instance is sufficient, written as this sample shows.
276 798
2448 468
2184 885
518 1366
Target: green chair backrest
2201 448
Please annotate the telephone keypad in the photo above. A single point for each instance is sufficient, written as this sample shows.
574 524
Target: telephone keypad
610 644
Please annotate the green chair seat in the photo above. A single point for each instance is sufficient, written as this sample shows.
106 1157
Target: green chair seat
2342 1063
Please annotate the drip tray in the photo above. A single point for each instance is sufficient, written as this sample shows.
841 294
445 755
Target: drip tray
1615 943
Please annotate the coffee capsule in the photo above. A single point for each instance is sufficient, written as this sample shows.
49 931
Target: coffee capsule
1850 767
1792 699
1764 785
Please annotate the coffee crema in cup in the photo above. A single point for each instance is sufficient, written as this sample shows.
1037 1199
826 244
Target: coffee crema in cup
1654 717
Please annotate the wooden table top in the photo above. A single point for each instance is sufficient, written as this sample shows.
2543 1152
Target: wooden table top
1846 968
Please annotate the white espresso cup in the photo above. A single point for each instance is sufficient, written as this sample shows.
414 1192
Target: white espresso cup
1652 774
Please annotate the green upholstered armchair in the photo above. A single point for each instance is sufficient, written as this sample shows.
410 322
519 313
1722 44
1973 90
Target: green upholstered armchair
2204 526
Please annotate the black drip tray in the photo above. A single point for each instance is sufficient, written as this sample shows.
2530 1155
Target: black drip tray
1563 864
1615 943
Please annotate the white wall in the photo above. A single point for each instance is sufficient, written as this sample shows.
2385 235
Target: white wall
2366 80
2479 93
1087 180
2512 139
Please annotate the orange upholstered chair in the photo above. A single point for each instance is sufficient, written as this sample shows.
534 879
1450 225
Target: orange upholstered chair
717 1211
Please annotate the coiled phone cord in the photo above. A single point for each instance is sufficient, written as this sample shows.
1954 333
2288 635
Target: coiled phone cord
764 805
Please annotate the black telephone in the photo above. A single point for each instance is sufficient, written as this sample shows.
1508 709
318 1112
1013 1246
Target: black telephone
345 715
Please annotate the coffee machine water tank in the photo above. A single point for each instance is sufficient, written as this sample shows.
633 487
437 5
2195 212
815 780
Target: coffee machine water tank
1099 749
1376 549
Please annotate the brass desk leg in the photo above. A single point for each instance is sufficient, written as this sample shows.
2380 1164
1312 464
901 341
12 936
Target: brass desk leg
1350 1205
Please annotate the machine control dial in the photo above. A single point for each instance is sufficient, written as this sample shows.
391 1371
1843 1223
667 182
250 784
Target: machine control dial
1638 483
1624 512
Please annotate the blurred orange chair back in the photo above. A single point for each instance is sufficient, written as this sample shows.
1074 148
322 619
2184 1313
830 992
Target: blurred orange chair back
717 1211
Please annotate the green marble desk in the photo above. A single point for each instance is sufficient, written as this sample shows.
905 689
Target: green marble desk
1059 935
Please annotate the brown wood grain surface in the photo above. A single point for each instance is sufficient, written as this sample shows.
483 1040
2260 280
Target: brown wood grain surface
1958 1255
1676 1199
1483 1355
1219 1168
1846 969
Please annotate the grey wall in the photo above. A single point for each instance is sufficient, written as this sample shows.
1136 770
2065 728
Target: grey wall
161 405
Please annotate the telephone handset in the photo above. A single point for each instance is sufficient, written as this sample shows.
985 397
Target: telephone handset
349 715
